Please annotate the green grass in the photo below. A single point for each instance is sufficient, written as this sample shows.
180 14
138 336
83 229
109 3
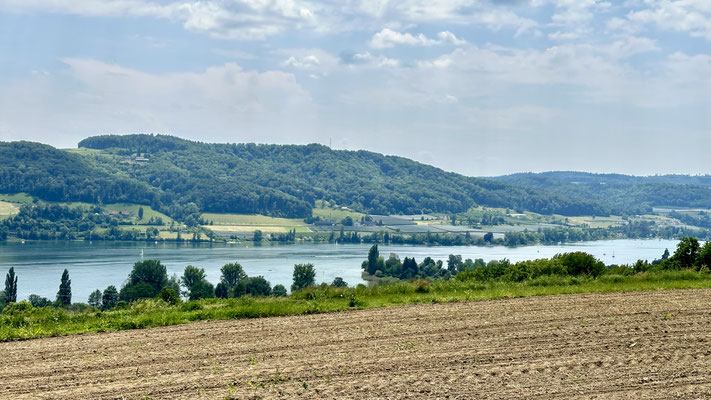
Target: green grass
8 209
251 220
23 198
40 322
328 213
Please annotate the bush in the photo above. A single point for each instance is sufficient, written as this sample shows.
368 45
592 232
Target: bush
169 296
279 291
17 308
258 286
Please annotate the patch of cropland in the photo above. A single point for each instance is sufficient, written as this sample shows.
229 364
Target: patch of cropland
621 194
640 345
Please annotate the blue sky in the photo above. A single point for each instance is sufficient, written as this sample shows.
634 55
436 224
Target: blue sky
480 87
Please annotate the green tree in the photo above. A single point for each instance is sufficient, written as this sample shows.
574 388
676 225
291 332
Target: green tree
232 273
191 276
304 276
145 280
64 295
197 286
687 252
257 238
95 298
110 298
202 290
258 286
10 286
39 301
279 290
339 282
347 221
373 255
704 259
453 262
140 212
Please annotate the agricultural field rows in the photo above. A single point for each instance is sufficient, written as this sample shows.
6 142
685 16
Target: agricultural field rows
642 345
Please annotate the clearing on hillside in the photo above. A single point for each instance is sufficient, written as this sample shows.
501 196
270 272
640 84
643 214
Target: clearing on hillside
639 345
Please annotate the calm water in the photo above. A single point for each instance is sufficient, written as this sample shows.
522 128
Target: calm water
39 265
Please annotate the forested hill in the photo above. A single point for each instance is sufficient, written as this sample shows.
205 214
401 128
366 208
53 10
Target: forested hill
621 193
57 175
285 180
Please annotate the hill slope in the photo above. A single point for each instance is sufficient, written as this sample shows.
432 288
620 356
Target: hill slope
621 193
284 180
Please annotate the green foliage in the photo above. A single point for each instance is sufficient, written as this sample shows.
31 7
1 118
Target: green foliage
10 292
304 276
257 286
285 180
39 301
581 263
687 252
145 280
17 308
191 276
110 298
257 238
232 273
279 291
202 290
169 296
64 295
339 282
95 298
50 321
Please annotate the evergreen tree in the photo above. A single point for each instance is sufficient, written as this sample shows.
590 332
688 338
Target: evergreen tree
64 295
140 212
373 255
11 286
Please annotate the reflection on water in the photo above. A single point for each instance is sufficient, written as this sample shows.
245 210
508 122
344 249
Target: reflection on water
96 265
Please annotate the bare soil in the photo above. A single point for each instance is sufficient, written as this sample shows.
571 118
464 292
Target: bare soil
635 345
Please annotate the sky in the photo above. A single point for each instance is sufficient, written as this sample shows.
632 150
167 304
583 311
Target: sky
479 87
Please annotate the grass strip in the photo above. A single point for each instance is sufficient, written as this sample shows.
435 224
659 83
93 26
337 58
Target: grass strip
26 322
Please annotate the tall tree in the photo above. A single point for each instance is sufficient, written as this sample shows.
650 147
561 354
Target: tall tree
95 298
11 286
64 295
110 297
304 276
373 255
140 212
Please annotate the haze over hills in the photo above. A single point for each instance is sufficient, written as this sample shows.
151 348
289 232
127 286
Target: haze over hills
180 177
626 193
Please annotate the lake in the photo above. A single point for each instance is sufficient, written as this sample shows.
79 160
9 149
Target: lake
39 264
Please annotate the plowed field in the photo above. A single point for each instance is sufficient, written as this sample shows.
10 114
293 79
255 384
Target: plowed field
635 345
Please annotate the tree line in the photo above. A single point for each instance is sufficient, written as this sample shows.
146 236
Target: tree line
689 254
149 279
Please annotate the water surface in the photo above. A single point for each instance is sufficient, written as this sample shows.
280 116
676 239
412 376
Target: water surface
39 264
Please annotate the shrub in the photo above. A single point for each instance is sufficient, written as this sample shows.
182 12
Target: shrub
279 291
169 296
17 308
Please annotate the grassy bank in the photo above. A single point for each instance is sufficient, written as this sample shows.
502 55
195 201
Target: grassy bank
21 321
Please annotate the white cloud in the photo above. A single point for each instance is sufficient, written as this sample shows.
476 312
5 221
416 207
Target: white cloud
691 16
389 38
224 19
92 97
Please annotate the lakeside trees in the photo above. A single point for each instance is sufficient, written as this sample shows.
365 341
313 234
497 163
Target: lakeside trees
10 292
148 279
64 295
